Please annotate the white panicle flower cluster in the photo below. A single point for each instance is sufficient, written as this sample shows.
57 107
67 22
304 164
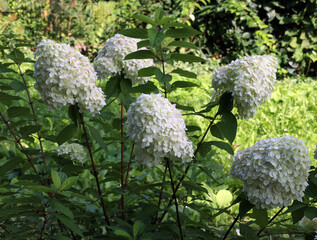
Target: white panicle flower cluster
158 130
74 151
65 77
274 171
306 222
110 60
249 79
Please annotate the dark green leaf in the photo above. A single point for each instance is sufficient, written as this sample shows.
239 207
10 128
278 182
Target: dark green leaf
194 186
225 103
138 228
261 217
143 43
311 190
184 84
140 54
27 130
68 183
134 33
186 57
60 207
17 86
223 145
5 70
122 233
73 113
18 112
147 72
204 149
112 86
56 179
193 128
158 15
182 44
184 73
96 135
6 97
156 37
244 207
228 126
184 107
125 85
67 133
9 166
16 55
248 232
144 19
148 87
181 32
311 213
216 132
68 222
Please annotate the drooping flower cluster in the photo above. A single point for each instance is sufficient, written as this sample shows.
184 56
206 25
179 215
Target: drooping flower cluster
73 151
158 130
65 77
249 79
274 171
110 60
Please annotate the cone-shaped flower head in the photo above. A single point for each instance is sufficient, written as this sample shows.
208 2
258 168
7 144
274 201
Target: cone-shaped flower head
249 79
110 60
65 77
274 171
158 130
73 151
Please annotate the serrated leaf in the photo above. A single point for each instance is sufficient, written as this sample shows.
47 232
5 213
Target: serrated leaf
184 73
67 133
27 130
68 183
156 37
228 126
144 19
146 72
18 112
183 84
138 228
68 222
60 207
122 233
261 217
223 145
96 135
140 54
56 179
186 57
134 33
181 32
182 44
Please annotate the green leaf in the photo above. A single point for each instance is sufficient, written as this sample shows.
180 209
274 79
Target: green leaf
204 149
134 33
193 128
60 207
244 207
148 87
147 72
144 19
311 190
17 86
112 86
138 228
216 132
34 187
261 217
67 133
68 222
311 213
183 84
9 166
156 37
125 85
6 97
181 32
184 107
56 179
225 103
61 237
228 126
143 43
27 130
69 182
184 73
122 233
186 57
96 135
158 15
18 112
248 232
223 145
140 54
16 55
182 44
73 113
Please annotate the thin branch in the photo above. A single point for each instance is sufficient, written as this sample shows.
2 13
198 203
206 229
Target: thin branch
129 165
187 168
262 229
231 226
4 228
94 168
161 193
174 196
190 9
122 160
